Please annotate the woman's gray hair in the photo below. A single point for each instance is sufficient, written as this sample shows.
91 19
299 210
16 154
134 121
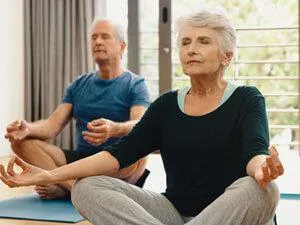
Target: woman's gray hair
212 20
119 31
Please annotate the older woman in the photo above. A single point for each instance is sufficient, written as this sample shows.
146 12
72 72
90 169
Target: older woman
213 138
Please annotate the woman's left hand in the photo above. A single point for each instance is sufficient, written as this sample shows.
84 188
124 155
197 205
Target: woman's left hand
270 169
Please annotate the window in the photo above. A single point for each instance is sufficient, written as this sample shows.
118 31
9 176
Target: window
266 57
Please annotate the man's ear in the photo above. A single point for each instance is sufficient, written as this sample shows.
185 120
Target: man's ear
123 47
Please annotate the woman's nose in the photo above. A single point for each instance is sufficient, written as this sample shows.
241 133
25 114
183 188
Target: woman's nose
191 53
192 50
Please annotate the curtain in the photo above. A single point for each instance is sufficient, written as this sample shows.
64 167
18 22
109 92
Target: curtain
56 52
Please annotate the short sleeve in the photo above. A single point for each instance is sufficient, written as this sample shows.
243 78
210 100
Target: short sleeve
74 87
140 94
68 96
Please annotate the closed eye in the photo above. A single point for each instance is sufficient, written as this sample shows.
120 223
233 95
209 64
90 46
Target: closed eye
204 40
105 36
94 37
185 41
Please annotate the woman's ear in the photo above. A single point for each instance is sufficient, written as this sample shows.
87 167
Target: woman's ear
227 58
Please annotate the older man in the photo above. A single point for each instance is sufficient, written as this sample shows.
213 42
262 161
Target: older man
106 104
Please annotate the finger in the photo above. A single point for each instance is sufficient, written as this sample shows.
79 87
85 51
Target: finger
89 139
101 129
93 135
276 160
23 124
273 150
91 126
10 167
16 123
259 178
266 175
89 134
6 178
12 128
14 137
98 129
3 172
9 136
21 163
272 168
6 181
262 183
97 122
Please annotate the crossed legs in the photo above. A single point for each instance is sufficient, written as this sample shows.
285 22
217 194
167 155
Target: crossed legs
104 200
48 157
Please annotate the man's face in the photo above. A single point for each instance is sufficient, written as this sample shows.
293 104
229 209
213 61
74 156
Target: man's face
104 44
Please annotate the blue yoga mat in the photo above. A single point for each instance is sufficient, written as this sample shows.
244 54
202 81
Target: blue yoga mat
31 207
289 196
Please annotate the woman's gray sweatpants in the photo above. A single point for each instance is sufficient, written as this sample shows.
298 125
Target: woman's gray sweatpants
109 201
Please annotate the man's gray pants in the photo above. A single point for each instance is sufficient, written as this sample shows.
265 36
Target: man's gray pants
109 201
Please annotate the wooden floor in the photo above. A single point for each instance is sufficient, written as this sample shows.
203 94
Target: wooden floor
6 192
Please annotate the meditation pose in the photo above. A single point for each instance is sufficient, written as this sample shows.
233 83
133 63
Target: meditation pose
213 138
106 104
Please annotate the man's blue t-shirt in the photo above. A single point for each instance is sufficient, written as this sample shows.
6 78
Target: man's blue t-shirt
93 98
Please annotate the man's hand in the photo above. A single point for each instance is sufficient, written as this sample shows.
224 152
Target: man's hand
17 131
270 169
30 175
99 131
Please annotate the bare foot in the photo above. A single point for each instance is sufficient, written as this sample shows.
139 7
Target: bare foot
51 191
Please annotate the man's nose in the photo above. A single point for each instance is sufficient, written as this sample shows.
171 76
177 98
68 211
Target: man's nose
99 40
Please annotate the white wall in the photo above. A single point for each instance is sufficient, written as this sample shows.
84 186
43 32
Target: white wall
11 67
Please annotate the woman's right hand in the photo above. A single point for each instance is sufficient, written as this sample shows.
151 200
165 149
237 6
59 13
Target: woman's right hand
270 168
30 175
17 131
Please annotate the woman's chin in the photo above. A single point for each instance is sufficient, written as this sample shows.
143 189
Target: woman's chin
195 73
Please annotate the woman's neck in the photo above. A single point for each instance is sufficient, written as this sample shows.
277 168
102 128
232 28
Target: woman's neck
206 86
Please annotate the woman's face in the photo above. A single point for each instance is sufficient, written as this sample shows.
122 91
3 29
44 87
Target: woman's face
199 51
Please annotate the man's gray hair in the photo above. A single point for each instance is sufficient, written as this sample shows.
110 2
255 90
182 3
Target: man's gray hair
212 20
119 31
